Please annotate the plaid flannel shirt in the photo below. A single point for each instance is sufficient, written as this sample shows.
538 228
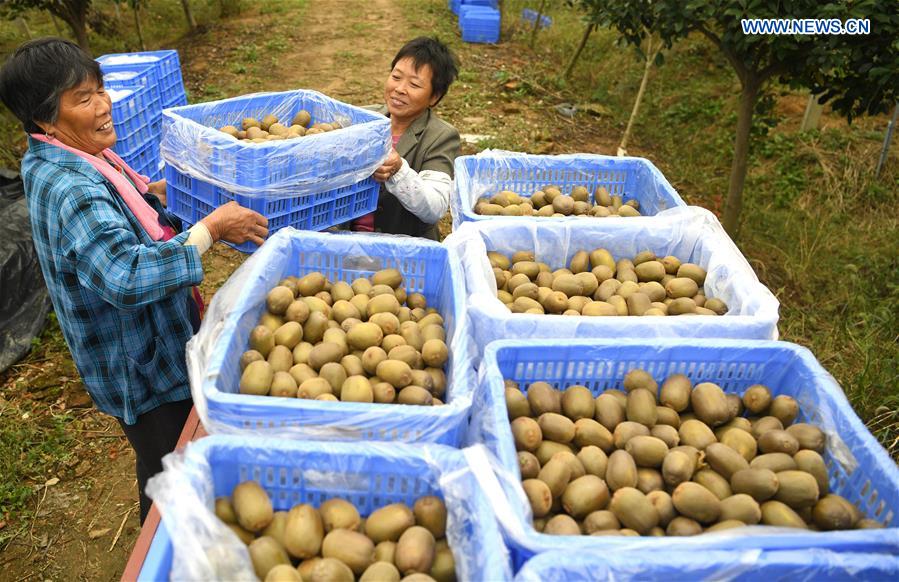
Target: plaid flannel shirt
120 297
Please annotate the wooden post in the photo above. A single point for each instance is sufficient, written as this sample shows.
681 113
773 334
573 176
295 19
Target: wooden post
812 114
24 26
884 152
137 24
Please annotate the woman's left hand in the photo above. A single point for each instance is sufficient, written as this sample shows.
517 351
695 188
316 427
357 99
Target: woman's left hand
158 190
391 166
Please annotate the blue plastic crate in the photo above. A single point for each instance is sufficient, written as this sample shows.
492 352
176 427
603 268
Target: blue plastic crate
454 6
176 99
166 64
144 160
859 468
194 145
529 15
479 24
368 475
191 200
491 171
147 77
746 566
134 112
692 234
427 268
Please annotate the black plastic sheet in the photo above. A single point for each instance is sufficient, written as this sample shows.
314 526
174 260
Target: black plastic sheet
24 300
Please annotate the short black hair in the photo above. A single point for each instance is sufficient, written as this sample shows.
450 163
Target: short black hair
430 51
36 75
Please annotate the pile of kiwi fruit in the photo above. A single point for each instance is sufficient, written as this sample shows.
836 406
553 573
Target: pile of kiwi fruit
549 201
333 543
670 460
365 341
271 129
596 284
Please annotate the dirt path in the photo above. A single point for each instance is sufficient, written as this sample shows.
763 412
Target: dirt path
93 503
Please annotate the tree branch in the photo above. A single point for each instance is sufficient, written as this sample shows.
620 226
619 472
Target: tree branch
772 70
739 67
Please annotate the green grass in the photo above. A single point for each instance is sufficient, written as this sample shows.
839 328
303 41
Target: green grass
34 442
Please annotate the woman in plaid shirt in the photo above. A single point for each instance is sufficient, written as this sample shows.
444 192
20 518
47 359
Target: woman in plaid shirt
119 276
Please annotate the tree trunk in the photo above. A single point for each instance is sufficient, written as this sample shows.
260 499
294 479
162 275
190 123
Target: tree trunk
650 59
587 32
75 16
537 23
189 15
734 202
137 25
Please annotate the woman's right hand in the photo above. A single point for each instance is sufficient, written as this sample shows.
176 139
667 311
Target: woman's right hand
234 223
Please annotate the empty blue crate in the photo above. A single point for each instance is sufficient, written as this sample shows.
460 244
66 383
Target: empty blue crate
479 24
529 15
175 99
487 173
165 63
859 469
145 160
132 117
129 79
370 476
191 200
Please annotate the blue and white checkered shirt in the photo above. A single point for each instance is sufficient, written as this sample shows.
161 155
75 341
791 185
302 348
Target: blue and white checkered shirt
120 297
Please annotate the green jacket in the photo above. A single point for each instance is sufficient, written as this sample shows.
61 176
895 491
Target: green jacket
428 144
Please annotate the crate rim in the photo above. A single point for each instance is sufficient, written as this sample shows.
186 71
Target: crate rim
220 140
468 213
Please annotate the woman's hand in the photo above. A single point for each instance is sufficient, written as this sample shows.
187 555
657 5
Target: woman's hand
391 166
158 190
234 223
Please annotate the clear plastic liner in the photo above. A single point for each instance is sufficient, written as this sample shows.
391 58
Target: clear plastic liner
193 144
369 475
490 171
116 95
129 59
736 566
691 234
213 354
859 469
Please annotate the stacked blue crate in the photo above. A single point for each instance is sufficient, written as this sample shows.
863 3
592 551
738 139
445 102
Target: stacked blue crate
136 141
159 73
479 23
166 66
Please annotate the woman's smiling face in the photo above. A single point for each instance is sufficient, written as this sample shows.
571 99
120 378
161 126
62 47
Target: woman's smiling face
85 118
408 92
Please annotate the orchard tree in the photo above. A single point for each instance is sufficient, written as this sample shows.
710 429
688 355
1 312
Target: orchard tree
189 15
593 17
858 73
72 12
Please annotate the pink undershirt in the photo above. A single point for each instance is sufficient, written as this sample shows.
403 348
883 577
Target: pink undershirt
367 223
